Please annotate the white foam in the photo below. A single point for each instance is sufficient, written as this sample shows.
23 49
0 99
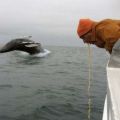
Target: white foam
42 54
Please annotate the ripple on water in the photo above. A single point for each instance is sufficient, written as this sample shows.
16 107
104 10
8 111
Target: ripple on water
3 86
52 112
6 118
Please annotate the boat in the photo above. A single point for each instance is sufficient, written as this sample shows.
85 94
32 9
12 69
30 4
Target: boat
112 101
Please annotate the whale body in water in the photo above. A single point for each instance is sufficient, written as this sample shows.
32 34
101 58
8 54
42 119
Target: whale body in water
23 44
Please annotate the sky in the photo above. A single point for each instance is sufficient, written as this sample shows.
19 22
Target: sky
51 22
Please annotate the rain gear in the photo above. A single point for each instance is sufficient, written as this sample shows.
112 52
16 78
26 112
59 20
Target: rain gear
103 34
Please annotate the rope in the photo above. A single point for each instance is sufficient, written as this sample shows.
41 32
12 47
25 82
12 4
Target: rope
89 80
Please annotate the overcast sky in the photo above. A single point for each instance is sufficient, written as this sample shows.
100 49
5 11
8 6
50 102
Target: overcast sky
52 22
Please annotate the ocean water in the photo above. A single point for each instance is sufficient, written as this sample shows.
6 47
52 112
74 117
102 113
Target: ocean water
53 87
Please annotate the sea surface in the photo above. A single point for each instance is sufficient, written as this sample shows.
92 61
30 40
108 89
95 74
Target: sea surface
53 87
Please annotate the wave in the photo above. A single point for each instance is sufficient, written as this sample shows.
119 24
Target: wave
5 86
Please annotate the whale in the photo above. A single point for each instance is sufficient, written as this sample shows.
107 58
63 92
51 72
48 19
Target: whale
23 44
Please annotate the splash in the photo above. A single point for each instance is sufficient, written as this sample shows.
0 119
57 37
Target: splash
42 54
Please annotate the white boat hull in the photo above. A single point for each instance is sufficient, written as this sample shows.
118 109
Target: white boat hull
112 102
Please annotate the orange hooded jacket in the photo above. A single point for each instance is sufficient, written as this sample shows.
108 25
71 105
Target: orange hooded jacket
107 31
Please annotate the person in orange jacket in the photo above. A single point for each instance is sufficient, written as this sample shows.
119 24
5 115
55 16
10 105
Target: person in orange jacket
103 34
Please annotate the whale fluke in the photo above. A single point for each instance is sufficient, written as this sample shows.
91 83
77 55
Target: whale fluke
22 44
